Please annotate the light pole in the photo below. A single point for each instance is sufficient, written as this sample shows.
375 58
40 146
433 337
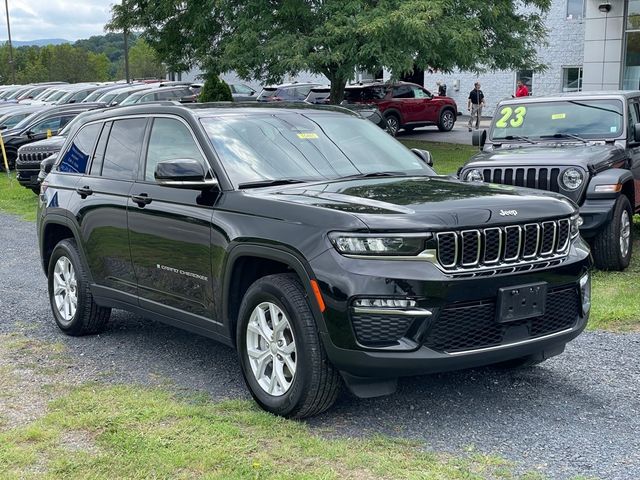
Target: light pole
13 68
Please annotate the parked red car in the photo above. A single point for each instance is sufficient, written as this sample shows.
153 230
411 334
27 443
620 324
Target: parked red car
406 105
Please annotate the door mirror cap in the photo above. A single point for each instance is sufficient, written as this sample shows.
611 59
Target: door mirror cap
183 173
423 155
636 132
479 138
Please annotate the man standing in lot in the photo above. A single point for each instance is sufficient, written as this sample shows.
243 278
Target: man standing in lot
474 105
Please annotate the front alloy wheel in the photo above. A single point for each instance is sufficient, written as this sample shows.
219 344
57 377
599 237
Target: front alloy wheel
447 121
283 361
271 348
625 233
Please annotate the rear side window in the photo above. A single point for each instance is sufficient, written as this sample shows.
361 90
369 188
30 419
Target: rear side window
170 140
403 91
123 149
77 157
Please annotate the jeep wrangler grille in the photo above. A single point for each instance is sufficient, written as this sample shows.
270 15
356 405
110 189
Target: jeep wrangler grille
539 178
511 245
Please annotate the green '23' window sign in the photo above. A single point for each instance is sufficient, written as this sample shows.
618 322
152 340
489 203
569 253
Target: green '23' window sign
511 117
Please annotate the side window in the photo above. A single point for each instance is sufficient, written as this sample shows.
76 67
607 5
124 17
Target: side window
98 157
123 149
66 119
402 91
420 92
77 157
149 97
242 89
52 124
633 117
170 139
165 95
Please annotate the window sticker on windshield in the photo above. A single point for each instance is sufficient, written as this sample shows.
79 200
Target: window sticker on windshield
613 129
558 116
307 136
514 117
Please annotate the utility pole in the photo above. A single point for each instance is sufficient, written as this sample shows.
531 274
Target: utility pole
13 68
126 53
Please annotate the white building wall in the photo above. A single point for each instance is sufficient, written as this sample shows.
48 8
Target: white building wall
603 41
565 49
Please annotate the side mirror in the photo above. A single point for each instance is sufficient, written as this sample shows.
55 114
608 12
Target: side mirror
636 132
479 138
30 133
423 155
183 173
3 127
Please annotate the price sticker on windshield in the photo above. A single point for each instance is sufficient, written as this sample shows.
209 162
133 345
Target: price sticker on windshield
307 136
511 117
558 116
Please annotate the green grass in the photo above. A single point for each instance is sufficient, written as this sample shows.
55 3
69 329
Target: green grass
16 199
447 157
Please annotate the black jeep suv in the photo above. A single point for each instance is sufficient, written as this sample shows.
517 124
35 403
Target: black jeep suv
585 146
317 245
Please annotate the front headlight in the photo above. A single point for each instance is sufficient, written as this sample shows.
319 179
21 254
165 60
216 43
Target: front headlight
576 223
572 178
378 244
473 175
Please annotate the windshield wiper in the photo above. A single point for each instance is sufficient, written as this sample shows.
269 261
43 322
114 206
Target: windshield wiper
270 183
518 137
375 174
564 135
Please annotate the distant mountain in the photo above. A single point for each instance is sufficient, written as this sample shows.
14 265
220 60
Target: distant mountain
38 43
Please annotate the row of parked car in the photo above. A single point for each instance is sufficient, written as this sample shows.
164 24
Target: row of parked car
403 105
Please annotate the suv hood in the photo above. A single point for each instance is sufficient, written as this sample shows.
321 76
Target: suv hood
559 154
53 145
410 203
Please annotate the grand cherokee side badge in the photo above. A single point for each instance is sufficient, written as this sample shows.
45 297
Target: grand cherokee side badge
508 213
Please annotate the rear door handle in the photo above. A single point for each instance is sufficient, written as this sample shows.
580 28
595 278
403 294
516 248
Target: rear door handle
85 191
141 199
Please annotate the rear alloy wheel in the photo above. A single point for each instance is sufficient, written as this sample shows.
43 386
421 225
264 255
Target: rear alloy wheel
612 247
393 124
283 361
447 121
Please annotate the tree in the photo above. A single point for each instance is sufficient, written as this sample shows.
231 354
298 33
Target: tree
144 62
215 90
269 40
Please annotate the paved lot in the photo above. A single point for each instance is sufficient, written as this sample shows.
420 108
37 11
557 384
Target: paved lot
576 414
459 134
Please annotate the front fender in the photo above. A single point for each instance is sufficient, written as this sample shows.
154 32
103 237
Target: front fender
612 176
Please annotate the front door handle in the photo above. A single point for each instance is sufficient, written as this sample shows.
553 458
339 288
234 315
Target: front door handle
85 191
141 199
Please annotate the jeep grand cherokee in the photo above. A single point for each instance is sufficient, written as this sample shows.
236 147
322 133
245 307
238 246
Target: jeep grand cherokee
311 241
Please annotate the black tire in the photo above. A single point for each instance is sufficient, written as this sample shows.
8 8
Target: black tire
393 124
36 190
316 384
89 318
408 129
11 158
607 246
447 120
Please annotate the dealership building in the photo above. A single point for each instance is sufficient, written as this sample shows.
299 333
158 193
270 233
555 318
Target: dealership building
591 45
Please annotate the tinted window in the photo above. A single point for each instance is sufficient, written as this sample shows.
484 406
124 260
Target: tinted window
170 140
403 91
77 157
98 157
166 95
54 124
123 149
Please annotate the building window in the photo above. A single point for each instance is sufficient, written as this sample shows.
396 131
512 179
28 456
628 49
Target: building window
575 9
572 79
526 76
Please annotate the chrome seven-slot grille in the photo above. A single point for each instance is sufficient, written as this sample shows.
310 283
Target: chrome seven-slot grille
464 250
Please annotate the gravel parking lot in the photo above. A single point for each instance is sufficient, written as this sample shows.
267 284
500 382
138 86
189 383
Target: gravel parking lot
577 414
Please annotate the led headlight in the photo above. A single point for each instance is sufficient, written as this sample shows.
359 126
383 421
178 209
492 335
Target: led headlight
572 178
474 175
576 223
378 244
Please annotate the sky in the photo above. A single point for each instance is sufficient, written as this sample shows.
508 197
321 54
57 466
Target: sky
68 19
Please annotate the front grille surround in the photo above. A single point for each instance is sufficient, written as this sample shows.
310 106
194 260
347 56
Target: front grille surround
505 246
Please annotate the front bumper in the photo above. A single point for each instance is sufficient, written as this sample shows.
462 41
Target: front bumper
440 342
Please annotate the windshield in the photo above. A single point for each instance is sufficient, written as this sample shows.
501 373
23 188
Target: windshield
588 119
93 96
26 121
132 99
313 146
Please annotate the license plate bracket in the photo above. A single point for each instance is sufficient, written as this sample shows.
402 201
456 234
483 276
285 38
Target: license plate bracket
521 302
